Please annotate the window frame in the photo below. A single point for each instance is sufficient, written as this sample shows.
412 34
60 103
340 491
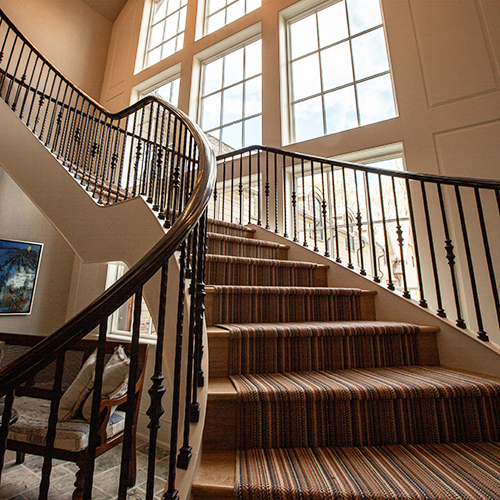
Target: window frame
228 3
227 49
147 51
296 13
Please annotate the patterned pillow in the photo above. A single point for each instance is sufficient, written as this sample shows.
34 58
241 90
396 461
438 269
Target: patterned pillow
75 394
114 380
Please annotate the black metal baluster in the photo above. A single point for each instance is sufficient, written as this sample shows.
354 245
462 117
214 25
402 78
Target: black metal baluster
14 75
481 334
88 480
200 314
64 133
285 211
304 221
315 224
324 210
55 101
154 160
157 206
146 172
450 257
115 131
86 143
347 225
240 188
335 218
51 430
6 70
41 101
137 155
169 219
422 301
157 390
294 204
22 83
28 87
487 252
390 284
440 311
276 203
128 453
48 99
371 228
359 222
165 181
102 160
59 121
249 187
399 232
259 191
2 54
33 100
171 492
185 452
232 190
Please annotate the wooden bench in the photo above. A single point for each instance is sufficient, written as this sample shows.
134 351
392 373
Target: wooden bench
32 402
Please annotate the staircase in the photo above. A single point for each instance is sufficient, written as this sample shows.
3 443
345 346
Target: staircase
310 397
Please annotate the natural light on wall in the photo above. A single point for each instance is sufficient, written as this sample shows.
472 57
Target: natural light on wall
166 30
338 69
218 13
231 97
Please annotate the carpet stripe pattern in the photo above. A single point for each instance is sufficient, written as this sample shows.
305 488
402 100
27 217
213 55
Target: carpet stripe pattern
223 244
447 471
332 407
228 270
292 347
228 228
247 304
416 405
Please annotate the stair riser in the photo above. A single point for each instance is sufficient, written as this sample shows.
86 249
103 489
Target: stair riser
237 249
352 423
230 230
271 308
376 353
221 273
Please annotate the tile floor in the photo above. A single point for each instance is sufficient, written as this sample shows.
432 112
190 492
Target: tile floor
21 481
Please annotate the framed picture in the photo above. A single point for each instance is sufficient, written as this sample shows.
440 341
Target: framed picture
19 262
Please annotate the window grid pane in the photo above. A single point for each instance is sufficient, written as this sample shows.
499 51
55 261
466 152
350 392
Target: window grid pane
231 98
348 45
166 30
218 13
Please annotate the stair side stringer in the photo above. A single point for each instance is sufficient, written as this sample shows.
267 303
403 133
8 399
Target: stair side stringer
458 348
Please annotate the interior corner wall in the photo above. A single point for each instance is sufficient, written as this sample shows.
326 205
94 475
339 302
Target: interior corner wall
70 34
21 220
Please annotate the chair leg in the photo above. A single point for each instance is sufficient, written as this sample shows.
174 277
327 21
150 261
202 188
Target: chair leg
20 457
80 479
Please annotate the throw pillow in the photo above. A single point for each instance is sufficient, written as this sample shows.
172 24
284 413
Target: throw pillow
114 380
75 394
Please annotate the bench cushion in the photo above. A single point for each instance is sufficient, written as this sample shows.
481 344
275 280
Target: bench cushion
73 435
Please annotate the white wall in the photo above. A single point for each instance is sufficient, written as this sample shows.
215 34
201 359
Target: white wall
70 34
21 220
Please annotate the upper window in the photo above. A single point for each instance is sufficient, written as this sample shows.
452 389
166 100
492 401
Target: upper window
218 13
166 30
338 69
168 91
231 97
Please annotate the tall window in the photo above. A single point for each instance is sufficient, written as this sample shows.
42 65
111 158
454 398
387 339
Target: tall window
231 97
218 13
338 69
166 30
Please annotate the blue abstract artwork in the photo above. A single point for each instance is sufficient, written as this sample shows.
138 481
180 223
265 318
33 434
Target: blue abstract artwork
19 262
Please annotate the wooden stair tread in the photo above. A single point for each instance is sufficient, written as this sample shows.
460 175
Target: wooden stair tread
216 476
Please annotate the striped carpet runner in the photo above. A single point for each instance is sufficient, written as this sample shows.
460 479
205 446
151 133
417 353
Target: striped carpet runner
294 347
418 472
333 407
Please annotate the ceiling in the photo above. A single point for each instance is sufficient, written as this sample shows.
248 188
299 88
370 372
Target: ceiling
108 9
